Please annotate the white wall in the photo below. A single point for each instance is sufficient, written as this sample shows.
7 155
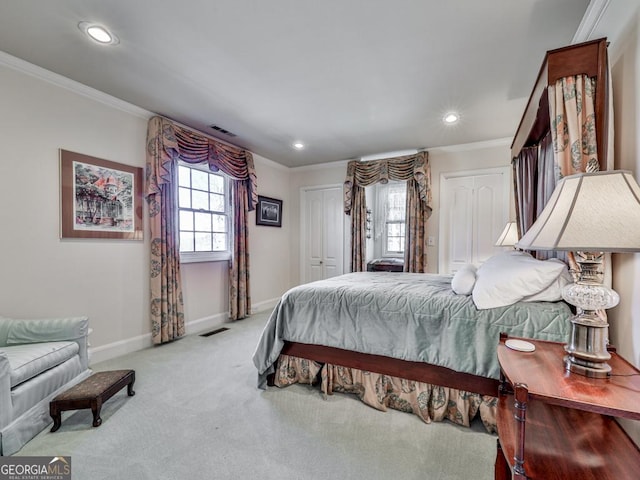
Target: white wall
621 25
625 70
271 254
42 275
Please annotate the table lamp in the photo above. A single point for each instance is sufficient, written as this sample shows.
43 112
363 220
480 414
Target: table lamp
509 236
589 213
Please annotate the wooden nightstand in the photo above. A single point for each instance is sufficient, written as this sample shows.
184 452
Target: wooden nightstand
553 424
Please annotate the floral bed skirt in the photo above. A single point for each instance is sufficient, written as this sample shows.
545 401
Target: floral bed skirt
429 402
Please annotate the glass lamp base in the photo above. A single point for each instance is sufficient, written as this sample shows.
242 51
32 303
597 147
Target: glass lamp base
587 347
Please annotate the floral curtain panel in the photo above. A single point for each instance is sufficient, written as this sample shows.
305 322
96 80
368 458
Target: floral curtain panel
166 143
362 174
573 124
358 229
418 212
239 291
569 148
167 308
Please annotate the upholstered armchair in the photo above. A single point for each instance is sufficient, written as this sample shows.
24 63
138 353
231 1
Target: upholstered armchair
38 359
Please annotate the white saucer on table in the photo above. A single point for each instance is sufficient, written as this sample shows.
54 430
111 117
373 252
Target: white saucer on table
520 345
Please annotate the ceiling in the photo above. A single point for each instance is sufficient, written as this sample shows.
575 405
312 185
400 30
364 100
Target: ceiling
347 78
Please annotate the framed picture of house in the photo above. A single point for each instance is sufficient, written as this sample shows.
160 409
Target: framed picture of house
269 212
99 198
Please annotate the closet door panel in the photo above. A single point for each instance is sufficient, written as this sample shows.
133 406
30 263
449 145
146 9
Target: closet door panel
473 211
456 223
313 236
333 232
461 224
323 234
489 212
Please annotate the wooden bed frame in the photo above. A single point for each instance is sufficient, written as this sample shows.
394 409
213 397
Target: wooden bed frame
417 371
586 58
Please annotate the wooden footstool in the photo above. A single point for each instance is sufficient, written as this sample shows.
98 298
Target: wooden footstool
91 393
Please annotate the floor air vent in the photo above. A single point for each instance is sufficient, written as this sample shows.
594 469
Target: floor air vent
213 332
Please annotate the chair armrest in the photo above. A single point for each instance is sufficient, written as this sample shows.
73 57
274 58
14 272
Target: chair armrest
6 409
67 329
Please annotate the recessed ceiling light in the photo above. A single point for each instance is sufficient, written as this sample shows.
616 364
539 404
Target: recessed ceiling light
451 118
98 33
298 145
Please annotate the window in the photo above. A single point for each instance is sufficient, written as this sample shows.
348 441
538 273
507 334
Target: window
394 218
390 219
204 214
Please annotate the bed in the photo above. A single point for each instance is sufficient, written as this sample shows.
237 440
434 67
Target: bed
399 340
320 330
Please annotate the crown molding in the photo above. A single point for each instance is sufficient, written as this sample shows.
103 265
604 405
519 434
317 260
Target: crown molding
500 142
590 20
58 80
463 147
320 166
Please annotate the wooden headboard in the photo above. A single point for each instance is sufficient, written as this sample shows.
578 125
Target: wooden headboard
588 58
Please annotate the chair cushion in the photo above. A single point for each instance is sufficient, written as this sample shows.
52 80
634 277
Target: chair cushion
5 328
27 361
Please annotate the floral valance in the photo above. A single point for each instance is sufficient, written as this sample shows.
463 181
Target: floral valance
363 174
167 141
573 124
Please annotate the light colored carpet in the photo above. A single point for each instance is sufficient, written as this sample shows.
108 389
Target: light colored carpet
197 414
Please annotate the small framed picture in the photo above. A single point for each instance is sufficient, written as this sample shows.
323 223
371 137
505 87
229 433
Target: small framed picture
269 212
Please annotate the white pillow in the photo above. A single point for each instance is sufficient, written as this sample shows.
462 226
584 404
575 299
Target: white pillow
464 279
510 277
553 292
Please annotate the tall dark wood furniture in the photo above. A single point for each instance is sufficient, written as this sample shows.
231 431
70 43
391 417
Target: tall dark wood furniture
554 424
589 58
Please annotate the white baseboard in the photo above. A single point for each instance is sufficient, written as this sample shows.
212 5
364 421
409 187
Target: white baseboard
121 347
205 323
129 345
266 305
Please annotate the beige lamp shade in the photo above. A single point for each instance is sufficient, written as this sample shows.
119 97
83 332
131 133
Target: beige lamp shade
590 212
509 236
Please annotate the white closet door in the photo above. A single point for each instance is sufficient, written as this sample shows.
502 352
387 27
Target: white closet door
490 213
313 238
323 233
474 209
459 212
333 232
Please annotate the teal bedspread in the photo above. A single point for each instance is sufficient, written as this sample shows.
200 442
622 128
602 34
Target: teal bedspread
410 316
